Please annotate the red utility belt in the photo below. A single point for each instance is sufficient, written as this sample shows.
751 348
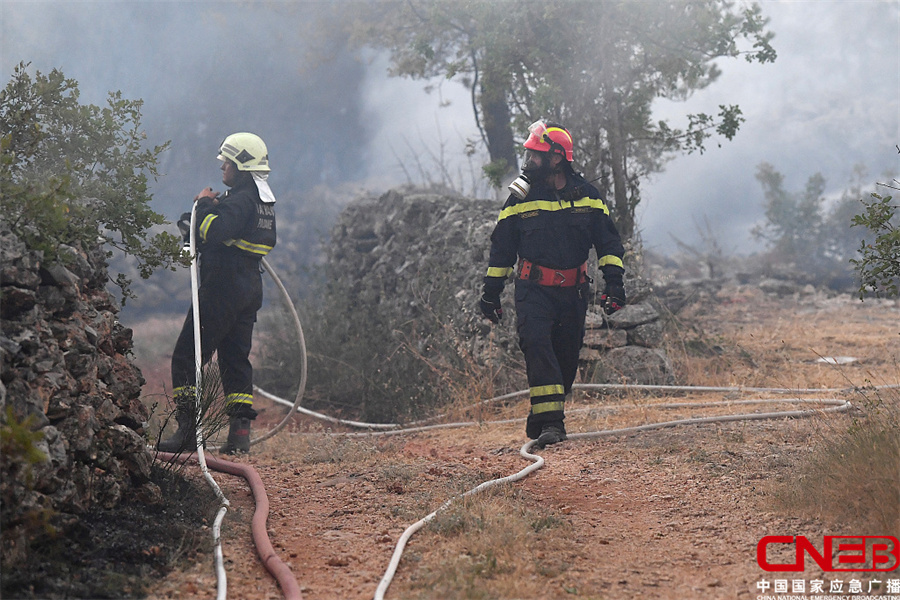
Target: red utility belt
552 277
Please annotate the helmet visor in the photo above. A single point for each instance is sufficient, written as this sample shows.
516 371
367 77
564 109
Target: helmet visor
538 129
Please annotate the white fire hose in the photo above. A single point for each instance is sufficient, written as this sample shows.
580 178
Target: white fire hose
222 581
538 462
833 405
221 577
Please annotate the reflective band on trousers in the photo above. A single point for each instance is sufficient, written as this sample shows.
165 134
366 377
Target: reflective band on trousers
546 390
543 407
185 390
238 399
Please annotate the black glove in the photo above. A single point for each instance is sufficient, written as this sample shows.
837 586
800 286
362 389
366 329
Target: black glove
490 299
184 226
613 297
490 307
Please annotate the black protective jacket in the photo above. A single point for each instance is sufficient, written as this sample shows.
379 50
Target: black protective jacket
555 229
238 226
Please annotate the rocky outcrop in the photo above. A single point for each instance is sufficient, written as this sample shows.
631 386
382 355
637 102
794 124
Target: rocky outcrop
69 400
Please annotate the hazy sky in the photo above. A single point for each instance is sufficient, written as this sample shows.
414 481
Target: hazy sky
830 101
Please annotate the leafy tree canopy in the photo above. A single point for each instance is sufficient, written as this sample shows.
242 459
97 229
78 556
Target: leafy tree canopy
73 174
794 221
818 236
595 67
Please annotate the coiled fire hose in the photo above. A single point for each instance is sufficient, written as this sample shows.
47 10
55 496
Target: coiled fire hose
375 429
283 574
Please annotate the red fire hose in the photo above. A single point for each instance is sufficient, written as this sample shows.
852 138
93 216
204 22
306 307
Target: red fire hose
280 571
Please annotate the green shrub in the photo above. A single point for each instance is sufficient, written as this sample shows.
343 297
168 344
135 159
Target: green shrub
879 265
73 174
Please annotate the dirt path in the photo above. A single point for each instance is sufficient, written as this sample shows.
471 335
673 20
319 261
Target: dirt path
669 514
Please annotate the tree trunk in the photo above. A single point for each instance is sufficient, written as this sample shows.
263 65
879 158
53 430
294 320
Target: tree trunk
622 212
496 121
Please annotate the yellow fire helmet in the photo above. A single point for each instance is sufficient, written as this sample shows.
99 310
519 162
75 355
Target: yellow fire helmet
247 151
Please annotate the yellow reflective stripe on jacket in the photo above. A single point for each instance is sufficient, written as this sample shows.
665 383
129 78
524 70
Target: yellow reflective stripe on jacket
260 249
499 271
204 225
551 206
546 390
544 407
238 399
609 259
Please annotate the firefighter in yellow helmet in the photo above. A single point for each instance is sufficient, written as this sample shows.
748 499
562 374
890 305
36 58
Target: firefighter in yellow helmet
546 229
234 231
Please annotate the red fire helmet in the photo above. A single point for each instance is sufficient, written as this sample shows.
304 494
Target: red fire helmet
550 137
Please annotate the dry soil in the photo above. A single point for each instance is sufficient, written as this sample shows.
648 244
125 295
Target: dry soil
668 514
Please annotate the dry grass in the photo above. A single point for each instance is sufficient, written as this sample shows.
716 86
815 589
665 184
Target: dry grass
487 546
753 340
562 532
853 476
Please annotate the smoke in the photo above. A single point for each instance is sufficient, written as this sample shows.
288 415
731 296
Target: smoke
830 101
204 70
422 133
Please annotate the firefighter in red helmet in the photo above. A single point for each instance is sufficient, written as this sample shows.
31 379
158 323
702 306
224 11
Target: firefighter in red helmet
545 231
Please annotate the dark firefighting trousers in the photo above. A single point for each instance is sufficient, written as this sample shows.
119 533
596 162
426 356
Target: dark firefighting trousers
550 324
230 294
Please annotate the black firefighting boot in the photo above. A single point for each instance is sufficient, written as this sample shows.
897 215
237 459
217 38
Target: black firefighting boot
239 420
551 433
185 439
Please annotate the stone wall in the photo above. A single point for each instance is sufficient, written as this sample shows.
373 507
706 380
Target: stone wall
412 255
625 347
66 377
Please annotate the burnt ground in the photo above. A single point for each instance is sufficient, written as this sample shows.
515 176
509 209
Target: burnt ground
116 553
